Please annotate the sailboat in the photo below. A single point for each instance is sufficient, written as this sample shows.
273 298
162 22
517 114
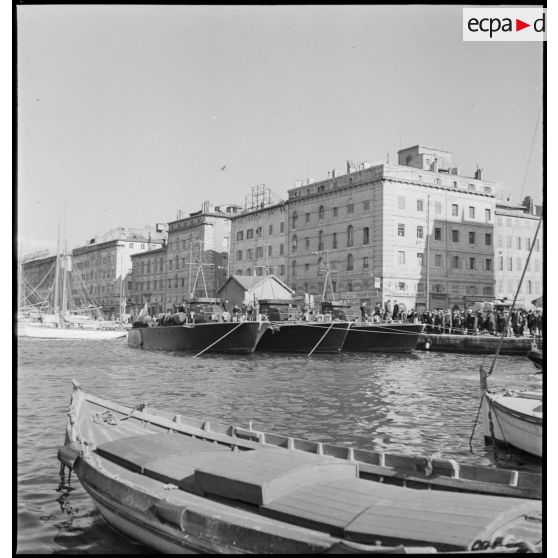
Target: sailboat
61 323
513 418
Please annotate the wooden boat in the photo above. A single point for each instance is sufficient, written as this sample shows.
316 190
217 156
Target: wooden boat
46 331
513 419
186 485
536 357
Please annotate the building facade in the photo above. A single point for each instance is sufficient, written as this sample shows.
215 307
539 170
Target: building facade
36 281
101 269
516 226
148 281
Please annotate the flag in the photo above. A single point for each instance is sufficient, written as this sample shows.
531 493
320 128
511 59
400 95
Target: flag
143 311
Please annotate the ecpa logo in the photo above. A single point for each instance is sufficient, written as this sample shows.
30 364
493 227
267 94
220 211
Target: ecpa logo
504 24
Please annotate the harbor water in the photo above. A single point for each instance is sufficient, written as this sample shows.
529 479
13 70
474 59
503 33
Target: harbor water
421 403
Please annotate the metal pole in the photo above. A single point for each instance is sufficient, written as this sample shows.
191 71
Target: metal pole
428 253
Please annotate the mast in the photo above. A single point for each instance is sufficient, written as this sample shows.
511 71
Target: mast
57 274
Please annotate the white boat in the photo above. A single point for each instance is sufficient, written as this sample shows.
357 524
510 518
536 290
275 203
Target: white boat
515 419
44 331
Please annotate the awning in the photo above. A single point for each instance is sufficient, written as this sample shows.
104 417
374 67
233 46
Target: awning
538 301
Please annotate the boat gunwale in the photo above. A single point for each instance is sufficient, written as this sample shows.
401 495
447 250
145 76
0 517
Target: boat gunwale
445 473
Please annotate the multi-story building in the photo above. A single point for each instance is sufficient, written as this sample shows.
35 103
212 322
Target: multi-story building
101 268
198 253
148 281
258 237
418 232
516 226
36 280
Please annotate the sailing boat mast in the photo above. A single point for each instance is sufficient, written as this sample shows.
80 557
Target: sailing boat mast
57 274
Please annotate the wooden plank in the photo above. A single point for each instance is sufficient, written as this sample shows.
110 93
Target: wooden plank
258 477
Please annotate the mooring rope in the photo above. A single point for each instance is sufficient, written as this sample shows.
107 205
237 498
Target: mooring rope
220 339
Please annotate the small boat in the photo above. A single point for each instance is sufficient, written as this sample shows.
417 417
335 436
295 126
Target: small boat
197 328
286 335
514 419
49 331
183 485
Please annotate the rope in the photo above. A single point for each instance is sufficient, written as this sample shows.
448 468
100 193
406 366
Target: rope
475 423
321 338
220 339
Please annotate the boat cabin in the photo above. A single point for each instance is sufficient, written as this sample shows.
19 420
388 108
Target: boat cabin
276 309
336 308
205 309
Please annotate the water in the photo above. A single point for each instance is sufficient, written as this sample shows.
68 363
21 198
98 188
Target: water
420 403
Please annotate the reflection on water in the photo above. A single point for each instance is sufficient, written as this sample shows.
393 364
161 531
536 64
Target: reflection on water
418 403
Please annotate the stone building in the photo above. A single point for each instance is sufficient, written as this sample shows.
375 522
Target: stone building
401 232
197 257
101 268
148 281
258 245
516 226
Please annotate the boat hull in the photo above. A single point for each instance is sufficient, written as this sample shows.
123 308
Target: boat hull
224 337
516 422
47 332
304 338
382 337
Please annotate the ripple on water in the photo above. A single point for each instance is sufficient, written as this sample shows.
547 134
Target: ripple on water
422 403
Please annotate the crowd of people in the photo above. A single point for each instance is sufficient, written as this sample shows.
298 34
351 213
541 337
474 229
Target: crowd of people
462 322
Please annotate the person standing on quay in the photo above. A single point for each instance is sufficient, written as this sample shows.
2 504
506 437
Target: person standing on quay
395 310
363 311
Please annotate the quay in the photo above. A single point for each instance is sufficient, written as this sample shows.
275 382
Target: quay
480 344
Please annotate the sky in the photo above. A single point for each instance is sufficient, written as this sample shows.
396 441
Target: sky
128 113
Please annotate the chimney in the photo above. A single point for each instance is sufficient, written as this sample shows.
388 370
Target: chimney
478 174
348 167
333 173
435 165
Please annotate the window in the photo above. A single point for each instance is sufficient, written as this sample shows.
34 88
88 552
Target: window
350 239
350 208
401 258
249 234
281 249
488 239
472 263
365 262
401 285
306 267
437 207
438 260
365 235
400 229
321 213
270 230
420 232
259 252
500 263
294 218
420 259
537 245
471 237
295 242
401 202
282 227
334 245
170 265
239 255
258 232
282 269
420 205
508 241
454 209
420 287
437 234
307 243
471 212
293 268
307 217
527 244
249 254
510 264
335 211
488 264
487 215
248 272
365 205
321 240
455 235
456 262
519 243
350 262
259 271
519 264
269 250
